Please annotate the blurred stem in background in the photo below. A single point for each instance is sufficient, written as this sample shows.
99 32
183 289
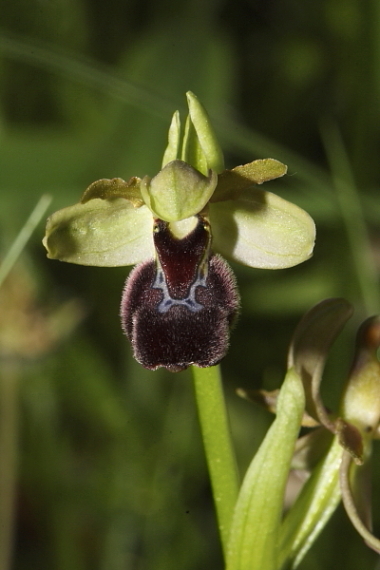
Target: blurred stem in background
11 372
9 419
353 218
23 237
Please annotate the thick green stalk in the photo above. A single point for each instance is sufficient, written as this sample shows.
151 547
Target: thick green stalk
219 451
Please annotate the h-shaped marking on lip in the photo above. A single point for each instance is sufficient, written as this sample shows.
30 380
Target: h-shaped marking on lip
189 301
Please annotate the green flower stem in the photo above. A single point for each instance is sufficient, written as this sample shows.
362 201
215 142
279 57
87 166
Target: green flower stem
218 445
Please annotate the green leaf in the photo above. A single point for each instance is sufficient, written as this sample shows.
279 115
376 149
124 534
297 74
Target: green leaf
256 523
104 233
313 508
231 183
262 230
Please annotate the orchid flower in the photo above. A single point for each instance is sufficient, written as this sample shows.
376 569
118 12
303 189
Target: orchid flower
181 299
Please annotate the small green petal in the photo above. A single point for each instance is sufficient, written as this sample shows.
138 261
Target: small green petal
231 183
205 136
106 189
172 151
178 191
104 233
262 230
254 536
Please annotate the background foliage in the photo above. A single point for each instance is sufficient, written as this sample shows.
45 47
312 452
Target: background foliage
110 468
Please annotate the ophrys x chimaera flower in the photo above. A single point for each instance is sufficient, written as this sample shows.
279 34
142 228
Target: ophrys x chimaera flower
179 304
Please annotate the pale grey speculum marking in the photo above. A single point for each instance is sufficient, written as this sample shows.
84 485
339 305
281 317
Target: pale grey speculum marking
189 301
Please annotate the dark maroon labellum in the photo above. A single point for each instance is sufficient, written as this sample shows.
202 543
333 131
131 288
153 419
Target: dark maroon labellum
177 310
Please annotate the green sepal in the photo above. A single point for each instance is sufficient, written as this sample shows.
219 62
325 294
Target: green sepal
231 183
178 191
104 233
262 230
254 535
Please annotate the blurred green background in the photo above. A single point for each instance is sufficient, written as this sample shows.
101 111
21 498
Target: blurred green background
103 457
